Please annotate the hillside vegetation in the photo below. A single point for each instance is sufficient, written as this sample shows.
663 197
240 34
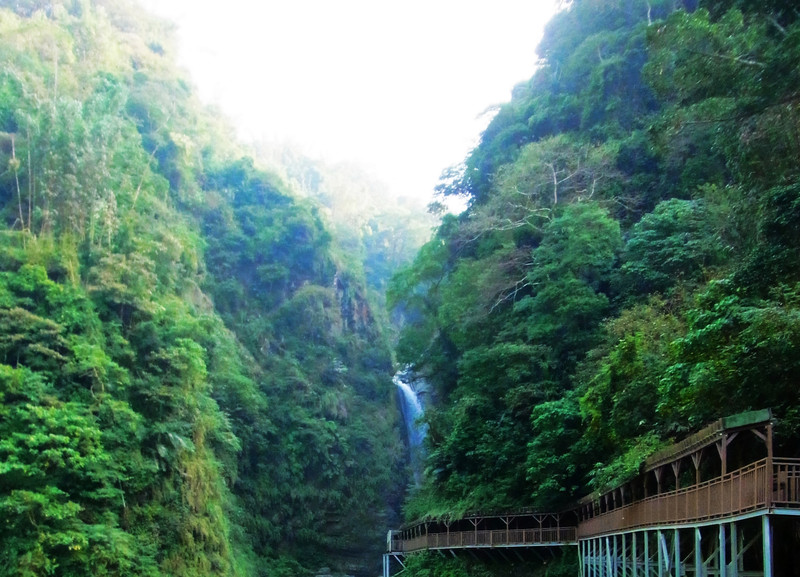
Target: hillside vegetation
192 378
195 367
627 269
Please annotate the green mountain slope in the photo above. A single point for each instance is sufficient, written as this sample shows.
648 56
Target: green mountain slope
192 382
627 268
376 230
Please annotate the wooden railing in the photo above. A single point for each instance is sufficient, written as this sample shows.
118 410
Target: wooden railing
755 487
786 484
763 485
497 538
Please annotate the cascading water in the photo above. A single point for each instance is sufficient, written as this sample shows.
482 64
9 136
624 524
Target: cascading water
412 410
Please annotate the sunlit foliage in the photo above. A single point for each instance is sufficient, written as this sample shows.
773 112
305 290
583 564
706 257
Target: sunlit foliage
627 269
192 382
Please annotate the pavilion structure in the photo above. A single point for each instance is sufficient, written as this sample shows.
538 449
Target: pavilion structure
718 503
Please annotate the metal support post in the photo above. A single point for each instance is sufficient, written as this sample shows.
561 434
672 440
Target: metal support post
723 562
624 555
734 564
698 553
766 536
603 555
581 558
598 556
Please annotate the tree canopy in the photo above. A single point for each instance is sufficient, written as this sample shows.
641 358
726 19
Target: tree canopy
193 380
626 269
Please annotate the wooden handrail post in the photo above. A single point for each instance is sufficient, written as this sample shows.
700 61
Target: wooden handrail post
697 460
769 441
770 476
676 470
722 449
740 483
658 472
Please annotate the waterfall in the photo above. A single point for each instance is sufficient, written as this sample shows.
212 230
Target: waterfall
412 410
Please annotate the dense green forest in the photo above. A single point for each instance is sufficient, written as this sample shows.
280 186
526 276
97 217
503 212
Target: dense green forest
377 231
195 357
628 267
195 379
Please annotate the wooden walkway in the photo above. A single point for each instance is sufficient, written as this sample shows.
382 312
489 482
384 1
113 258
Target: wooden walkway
493 538
762 486
660 500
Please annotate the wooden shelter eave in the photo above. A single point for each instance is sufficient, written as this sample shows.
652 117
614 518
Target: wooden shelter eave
706 437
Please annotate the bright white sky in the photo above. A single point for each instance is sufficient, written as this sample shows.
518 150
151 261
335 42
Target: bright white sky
396 87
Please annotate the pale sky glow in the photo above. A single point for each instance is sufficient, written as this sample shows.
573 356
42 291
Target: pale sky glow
397 87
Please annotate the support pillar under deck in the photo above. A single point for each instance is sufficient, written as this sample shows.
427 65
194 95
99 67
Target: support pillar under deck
723 563
766 537
721 549
698 553
387 563
624 555
581 559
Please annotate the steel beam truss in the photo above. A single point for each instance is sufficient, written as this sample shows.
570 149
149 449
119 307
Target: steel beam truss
391 560
726 548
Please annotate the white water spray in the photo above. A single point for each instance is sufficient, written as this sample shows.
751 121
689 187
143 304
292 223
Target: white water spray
412 410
